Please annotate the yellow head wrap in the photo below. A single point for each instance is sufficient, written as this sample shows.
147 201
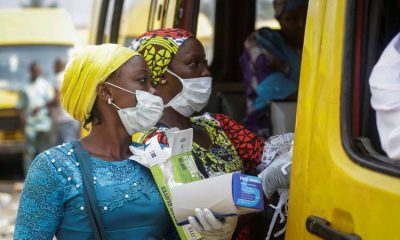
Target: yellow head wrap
85 71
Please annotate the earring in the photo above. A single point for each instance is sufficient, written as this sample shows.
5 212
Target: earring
109 101
152 90
163 81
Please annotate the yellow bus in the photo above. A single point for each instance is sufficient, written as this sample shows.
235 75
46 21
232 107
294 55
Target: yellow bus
27 35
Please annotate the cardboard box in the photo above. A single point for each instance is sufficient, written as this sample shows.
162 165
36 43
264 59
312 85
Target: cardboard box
225 195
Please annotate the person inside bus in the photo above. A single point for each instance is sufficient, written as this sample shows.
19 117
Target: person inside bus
271 63
385 97
220 145
40 96
105 86
66 128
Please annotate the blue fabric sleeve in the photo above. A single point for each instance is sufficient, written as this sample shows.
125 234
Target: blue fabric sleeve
41 205
275 86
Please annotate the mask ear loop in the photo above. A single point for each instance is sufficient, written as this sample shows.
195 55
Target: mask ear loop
123 89
169 104
111 103
174 74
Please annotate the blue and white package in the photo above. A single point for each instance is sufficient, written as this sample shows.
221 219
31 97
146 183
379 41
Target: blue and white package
247 191
225 195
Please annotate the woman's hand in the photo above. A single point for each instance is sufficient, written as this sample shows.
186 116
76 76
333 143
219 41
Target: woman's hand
210 227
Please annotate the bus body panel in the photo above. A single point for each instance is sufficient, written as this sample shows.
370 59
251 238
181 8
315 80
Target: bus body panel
325 182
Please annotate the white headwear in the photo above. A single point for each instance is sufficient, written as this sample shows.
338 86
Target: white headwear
385 97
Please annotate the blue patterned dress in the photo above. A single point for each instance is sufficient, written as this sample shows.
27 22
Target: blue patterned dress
52 203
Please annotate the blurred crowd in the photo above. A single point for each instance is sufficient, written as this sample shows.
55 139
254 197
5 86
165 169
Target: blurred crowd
46 123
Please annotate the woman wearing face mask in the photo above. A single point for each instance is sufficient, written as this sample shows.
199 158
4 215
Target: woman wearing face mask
106 86
220 145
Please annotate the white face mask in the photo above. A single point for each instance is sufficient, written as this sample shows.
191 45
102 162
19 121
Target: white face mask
148 111
193 97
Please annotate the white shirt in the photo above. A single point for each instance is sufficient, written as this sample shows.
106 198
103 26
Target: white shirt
39 94
385 97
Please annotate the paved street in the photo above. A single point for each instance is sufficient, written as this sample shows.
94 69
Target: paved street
9 196
11 175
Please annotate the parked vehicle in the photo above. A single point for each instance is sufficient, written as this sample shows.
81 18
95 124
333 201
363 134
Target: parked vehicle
27 35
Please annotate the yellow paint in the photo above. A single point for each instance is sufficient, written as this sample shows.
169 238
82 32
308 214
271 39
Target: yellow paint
134 22
325 182
36 26
10 137
94 21
9 99
170 15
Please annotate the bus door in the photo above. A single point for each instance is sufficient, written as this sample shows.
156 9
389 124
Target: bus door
342 186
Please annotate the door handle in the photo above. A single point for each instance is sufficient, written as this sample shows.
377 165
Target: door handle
321 228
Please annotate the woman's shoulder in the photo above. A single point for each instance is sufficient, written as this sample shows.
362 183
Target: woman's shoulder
269 37
55 159
60 152
267 30
264 31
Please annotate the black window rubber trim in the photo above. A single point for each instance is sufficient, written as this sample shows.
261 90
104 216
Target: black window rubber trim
116 21
102 22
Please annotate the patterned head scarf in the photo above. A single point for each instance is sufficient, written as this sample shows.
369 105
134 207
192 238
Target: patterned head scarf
158 48
282 6
85 71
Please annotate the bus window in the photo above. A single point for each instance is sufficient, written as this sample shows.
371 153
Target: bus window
123 20
265 15
206 26
380 23
134 20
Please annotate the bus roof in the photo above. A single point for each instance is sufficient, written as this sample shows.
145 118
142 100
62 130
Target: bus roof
36 26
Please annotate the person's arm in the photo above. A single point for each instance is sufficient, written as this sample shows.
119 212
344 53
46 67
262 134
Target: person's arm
256 152
248 146
41 205
275 86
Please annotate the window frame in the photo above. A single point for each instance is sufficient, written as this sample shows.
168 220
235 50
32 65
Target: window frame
352 70
102 21
116 21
